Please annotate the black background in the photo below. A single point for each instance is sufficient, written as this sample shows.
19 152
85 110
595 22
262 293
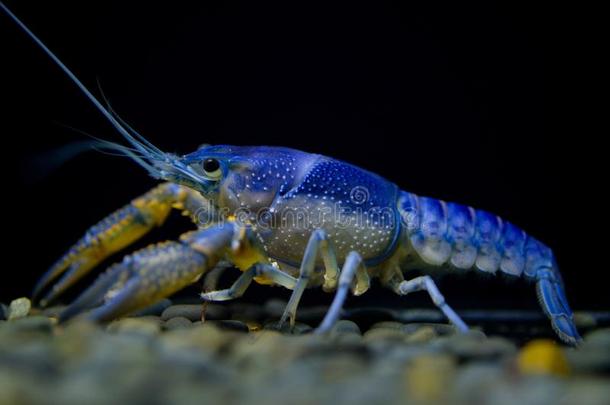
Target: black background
446 100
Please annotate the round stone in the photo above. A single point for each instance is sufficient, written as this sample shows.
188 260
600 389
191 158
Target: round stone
19 308
178 322
144 326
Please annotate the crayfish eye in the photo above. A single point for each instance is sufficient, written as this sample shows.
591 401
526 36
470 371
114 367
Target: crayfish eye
211 168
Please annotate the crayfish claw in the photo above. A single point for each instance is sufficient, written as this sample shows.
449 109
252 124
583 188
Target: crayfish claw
151 274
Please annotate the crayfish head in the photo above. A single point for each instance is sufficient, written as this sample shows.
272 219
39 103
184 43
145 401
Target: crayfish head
246 180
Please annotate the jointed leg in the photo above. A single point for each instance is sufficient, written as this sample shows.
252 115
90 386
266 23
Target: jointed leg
426 283
363 281
240 285
353 268
117 231
318 243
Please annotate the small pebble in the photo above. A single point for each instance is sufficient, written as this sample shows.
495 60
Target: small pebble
190 312
19 308
428 377
584 320
155 309
344 326
421 335
439 329
388 325
247 312
36 323
178 322
274 308
593 391
145 325
599 338
312 315
383 334
475 345
589 361
298 329
475 380
593 355
207 337
267 347
542 356
422 315
254 326
193 312
229 324
417 332
216 312
345 332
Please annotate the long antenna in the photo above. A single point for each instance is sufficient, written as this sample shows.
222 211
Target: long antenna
76 81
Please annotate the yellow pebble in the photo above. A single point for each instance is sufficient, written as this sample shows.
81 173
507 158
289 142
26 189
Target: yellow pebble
428 377
542 356
254 326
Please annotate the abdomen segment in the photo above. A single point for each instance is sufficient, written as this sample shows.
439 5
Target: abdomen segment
446 233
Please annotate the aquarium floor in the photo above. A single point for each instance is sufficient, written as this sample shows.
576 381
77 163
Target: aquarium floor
168 355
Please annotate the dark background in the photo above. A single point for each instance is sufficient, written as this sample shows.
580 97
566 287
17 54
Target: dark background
446 100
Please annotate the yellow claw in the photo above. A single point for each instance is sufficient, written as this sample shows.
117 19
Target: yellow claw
151 274
111 235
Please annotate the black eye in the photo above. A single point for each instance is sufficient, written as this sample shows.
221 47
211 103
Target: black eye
211 167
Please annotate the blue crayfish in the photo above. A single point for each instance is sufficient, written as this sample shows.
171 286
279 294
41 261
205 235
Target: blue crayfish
288 218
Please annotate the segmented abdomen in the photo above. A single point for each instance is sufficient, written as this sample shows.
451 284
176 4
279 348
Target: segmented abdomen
448 233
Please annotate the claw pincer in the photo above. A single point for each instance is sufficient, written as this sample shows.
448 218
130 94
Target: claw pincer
151 274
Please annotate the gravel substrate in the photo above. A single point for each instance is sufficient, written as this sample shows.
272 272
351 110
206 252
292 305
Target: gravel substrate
168 355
